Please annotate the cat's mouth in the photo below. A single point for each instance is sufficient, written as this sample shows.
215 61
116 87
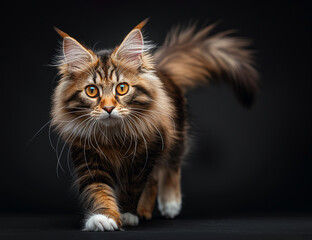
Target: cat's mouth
109 119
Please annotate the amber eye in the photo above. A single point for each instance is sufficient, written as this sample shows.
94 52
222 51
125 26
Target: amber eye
122 88
92 91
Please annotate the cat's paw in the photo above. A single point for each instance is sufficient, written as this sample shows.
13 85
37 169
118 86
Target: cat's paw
129 219
101 223
143 213
169 209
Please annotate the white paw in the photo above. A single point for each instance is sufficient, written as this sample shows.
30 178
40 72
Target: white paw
100 222
129 219
169 209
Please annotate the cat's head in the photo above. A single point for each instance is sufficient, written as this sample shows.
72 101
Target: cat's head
110 90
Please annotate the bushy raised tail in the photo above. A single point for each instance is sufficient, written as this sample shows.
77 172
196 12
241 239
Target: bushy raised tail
191 57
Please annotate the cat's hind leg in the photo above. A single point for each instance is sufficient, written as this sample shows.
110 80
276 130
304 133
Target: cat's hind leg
169 179
129 219
169 192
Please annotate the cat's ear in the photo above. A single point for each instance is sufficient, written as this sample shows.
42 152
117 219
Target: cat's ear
132 47
76 56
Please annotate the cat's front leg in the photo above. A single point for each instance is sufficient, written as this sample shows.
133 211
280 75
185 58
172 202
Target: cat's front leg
103 213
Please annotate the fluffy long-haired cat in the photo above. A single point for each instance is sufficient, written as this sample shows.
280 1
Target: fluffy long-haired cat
122 112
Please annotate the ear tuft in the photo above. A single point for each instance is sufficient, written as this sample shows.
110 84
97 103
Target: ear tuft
60 32
141 24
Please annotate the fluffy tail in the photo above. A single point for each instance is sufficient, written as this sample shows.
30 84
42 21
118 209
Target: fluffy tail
190 57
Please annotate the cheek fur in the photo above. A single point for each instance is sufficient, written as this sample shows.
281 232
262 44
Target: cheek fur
121 111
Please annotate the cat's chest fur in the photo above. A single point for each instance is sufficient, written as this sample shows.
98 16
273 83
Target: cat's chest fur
125 167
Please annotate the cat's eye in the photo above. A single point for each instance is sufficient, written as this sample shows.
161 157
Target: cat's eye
122 88
92 91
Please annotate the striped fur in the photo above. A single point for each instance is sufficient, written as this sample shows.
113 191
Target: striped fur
125 158
190 57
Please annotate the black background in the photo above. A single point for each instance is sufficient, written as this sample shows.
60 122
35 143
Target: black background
242 161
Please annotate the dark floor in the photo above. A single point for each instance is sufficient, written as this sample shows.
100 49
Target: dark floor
252 227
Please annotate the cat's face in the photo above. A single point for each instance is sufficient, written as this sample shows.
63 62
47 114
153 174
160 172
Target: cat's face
106 98
107 93
109 90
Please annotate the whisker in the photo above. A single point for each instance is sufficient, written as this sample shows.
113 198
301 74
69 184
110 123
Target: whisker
38 131
50 126
85 157
68 165
146 150
48 122
156 113
70 135
62 132
150 122
98 143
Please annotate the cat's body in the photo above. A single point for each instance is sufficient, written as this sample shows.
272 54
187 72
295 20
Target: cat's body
123 114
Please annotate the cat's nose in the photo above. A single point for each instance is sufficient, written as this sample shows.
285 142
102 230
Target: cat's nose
108 109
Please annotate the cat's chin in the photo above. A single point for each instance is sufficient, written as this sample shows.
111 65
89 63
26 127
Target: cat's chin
110 121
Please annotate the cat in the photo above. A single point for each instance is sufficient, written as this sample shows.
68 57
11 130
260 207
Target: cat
123 113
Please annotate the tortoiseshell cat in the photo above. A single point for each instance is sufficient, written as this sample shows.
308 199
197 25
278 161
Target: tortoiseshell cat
123 113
